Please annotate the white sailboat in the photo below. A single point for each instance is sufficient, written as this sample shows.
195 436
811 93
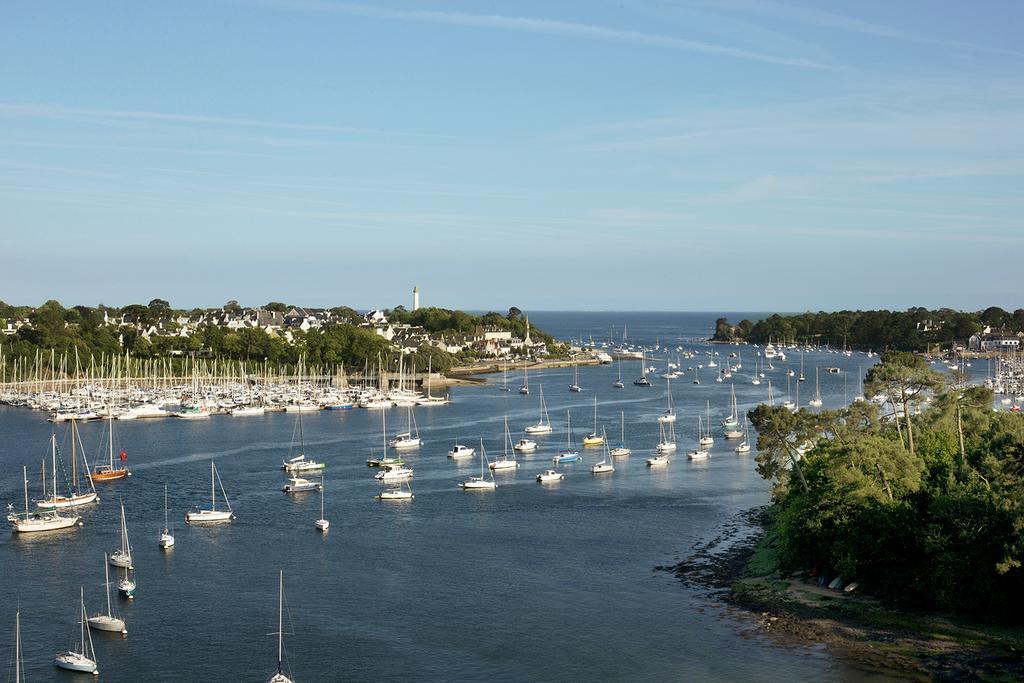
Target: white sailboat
575 386
75 497
107 622
82 656
322 524
603 466
401 492
544 425
122 557
279 677
619 384
700 452
166 539
212 514
670 414
816 402
299 463
744 446
621 450
480 482
48 520
525 389
408 439
507 461
706 440
667 439
504 377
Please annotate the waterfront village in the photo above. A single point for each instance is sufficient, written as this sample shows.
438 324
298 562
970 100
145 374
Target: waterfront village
158 322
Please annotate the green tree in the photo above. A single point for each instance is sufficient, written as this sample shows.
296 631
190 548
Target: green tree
905 378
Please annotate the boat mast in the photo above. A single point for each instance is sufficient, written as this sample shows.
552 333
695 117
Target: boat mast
53 454
213 490
106 579
280 616
17 647
24 476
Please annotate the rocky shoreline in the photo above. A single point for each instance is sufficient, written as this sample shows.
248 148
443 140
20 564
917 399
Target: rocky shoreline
737 567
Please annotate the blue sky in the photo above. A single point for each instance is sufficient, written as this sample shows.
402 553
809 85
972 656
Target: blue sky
651 155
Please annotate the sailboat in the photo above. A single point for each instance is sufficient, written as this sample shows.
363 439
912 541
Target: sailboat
49 520
666 438
661 454
801 378
593 438
166 539
621 450
860 385
299 462
731 421
525 389
480 482
384 460
816 402
642 380
122 557
403 491
670 414
700 452
758 374
279 677
744 446
575 386
203 515
604 466
109 472
107 622
618 384
544 425
788 404
322 524
705 436
82 657
567 454
126 584
504 377
408 439
74 497
508 460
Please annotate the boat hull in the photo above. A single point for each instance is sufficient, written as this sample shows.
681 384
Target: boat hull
44 523
73 661
110 475
62 502
103 622
208 516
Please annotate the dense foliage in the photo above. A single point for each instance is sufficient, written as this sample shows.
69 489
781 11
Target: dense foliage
80 332
915 329
935 522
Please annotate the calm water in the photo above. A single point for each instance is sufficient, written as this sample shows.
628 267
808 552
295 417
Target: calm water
527 582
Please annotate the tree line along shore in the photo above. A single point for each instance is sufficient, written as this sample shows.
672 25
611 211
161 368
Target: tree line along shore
916 329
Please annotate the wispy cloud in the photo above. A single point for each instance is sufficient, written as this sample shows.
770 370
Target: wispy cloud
819 17
545 26
37 110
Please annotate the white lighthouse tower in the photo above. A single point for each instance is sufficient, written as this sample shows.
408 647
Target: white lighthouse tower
415 298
